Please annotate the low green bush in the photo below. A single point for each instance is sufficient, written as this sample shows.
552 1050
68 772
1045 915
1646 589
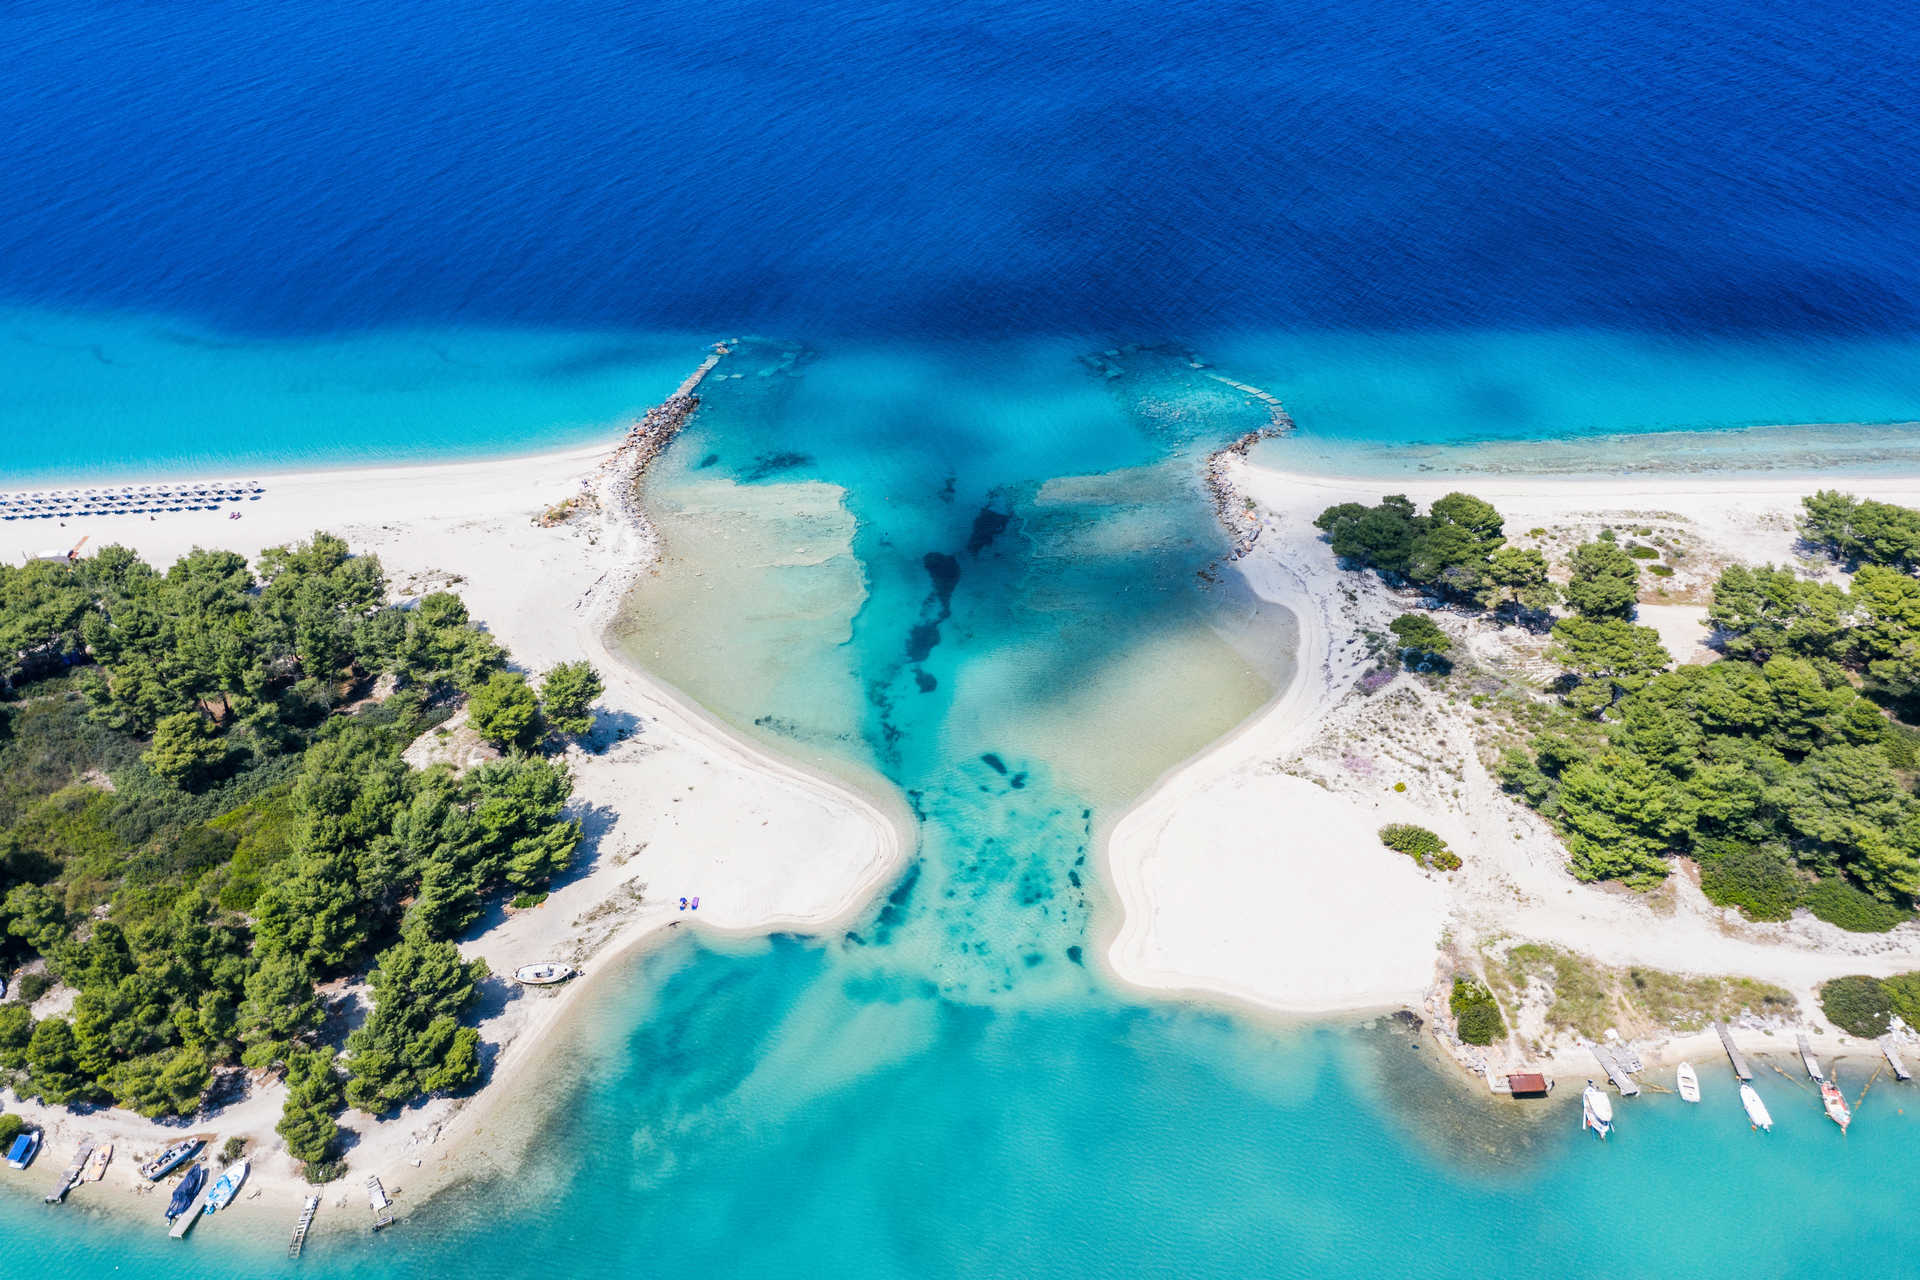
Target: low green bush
1660 570
1838 902
526 900
1423 846
1857 1004
1475 1012
322 1171
1640 551
33 986
1760 880
10 1127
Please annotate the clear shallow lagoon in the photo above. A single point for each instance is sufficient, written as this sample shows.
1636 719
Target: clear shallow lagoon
950 1087
240 237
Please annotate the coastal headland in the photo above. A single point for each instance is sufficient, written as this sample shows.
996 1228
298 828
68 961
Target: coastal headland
674 804
1254 873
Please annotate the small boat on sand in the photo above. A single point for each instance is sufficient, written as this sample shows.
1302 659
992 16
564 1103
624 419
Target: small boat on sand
24 1149
226 1187
1689 1082
188 1190
1756 1110
545 974
97 1163
1596 1110
1836 1104
173 1157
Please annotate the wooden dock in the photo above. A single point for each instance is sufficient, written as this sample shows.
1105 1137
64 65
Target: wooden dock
184 1223
1900 1071
300 1228
71 1178
1807 1060
1741 1070
1614 1064
380 1203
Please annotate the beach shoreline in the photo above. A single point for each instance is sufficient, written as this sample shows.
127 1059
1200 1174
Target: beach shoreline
768 844
1296 911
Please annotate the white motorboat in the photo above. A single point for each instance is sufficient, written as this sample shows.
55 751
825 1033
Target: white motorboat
1689 1082
221 1194
1596 1110
1756 1109
545 974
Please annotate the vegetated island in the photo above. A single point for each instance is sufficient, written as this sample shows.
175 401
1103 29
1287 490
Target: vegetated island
1561 757
276 831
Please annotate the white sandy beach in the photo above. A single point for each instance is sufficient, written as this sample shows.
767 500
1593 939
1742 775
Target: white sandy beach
679 806
1254 872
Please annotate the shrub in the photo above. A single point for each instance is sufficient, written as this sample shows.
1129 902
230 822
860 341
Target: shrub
1417 631
1476 1013
1839 902
10 1127
234 1148
33 986
1758 879
1640 551
1423 846
319 1171
1660 570
1857 1004
527 900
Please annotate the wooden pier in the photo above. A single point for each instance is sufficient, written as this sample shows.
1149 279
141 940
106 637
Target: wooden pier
71 1178
1614 1064
381 1204
1741 1070
1807 1060
300 1228
1900 1071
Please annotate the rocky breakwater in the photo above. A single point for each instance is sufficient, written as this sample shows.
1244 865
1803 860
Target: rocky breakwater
627 539
1234 513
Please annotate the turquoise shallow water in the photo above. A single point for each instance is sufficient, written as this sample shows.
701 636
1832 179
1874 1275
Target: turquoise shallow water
981 571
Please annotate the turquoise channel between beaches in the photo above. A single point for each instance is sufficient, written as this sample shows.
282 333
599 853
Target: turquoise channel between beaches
998 613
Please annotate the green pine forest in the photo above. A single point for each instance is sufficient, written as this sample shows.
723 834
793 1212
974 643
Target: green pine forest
1787 770
204 816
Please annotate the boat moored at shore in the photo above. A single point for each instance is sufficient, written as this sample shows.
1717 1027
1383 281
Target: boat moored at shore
226 1187
173 1156
1757 1111
188 1190
1688 1081
24 1149
1835 1103
547 973
1596 1110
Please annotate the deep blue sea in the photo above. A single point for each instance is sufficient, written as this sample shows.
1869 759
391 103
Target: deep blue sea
241 236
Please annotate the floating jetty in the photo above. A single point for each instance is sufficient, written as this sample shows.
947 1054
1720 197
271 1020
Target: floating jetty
380 1203
1900 1071
300 1228
1807 1060
1741 1070
1615 1062
71 1178
184 1223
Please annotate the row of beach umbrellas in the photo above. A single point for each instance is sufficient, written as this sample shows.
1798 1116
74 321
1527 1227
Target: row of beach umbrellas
125 498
